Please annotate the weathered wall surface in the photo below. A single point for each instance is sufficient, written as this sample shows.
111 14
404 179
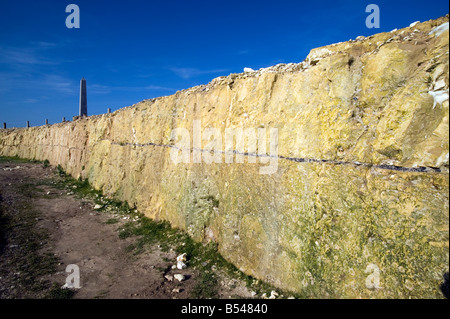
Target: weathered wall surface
322 229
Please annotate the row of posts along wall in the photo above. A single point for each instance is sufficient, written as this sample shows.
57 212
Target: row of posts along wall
27 123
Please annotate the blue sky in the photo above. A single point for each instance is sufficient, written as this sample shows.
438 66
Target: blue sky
133 50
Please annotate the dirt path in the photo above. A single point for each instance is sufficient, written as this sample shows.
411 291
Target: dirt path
46 227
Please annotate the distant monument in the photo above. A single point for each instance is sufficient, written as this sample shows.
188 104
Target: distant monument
83 98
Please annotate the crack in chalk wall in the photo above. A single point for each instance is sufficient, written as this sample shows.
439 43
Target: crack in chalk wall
418 169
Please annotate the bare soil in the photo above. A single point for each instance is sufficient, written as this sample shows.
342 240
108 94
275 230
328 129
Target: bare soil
45 228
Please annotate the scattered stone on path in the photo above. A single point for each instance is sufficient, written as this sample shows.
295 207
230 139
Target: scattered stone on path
181 259
181 265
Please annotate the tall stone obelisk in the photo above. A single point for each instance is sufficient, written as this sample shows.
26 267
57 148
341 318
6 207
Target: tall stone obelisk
83 98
